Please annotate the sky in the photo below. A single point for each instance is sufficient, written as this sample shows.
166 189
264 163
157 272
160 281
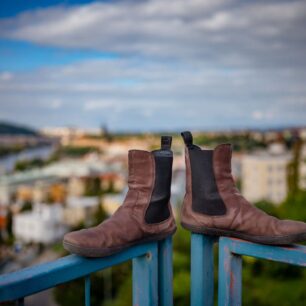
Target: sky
153 65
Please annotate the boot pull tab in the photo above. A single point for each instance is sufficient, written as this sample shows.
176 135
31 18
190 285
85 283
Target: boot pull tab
188 139
166 142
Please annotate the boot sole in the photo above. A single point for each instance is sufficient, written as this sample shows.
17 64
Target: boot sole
276 240
103 252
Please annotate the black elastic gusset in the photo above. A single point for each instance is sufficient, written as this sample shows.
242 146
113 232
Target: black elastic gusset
205 196
158 209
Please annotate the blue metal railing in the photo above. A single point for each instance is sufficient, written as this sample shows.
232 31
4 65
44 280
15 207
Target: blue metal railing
152 271
152 274
230 266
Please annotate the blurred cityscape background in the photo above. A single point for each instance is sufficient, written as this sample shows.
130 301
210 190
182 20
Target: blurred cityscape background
82 82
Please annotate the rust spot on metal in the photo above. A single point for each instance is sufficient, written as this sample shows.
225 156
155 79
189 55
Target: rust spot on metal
149 256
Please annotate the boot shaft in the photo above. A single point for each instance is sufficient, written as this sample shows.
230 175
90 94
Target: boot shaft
150 176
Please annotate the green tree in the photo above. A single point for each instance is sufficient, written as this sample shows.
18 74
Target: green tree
293 168
93 187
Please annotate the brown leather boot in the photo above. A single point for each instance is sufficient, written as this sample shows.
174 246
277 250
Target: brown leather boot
145 214
214 206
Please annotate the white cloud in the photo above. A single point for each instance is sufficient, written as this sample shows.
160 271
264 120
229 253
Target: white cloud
6 76
258 115
55 104
181 64
262 115
164 96
224 32
94 105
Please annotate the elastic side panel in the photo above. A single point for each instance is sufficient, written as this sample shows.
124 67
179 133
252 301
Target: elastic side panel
205 196
158 209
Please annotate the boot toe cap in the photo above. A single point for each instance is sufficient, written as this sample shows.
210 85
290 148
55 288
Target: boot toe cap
290 227
85 238
73 238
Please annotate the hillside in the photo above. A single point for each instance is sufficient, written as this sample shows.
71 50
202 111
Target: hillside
13 129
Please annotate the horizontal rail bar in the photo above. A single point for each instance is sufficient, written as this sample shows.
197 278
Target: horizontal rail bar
41 277
294 255
231 251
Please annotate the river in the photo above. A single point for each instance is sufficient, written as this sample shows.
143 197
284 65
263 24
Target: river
7 164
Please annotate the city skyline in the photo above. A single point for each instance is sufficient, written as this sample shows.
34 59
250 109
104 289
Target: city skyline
153 65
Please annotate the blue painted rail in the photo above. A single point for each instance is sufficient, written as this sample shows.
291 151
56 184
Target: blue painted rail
152 274
230 266
152 271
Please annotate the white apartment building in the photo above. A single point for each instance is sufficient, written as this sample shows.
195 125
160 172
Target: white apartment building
264 175
79 209
41 225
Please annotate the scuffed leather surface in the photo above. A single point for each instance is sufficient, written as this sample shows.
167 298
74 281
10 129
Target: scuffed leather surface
241 216
127 224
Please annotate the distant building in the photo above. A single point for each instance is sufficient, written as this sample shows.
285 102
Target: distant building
44 224
34 185
178 187
264 174
113 180
19 186
121 148
302 133
76 186
111 202
236 165
80 209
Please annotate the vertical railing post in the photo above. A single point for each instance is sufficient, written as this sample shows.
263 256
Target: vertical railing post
202 270
145 278
87 290
165 272
230 279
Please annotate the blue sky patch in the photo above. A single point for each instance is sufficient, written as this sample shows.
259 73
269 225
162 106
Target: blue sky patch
9 8
24 56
